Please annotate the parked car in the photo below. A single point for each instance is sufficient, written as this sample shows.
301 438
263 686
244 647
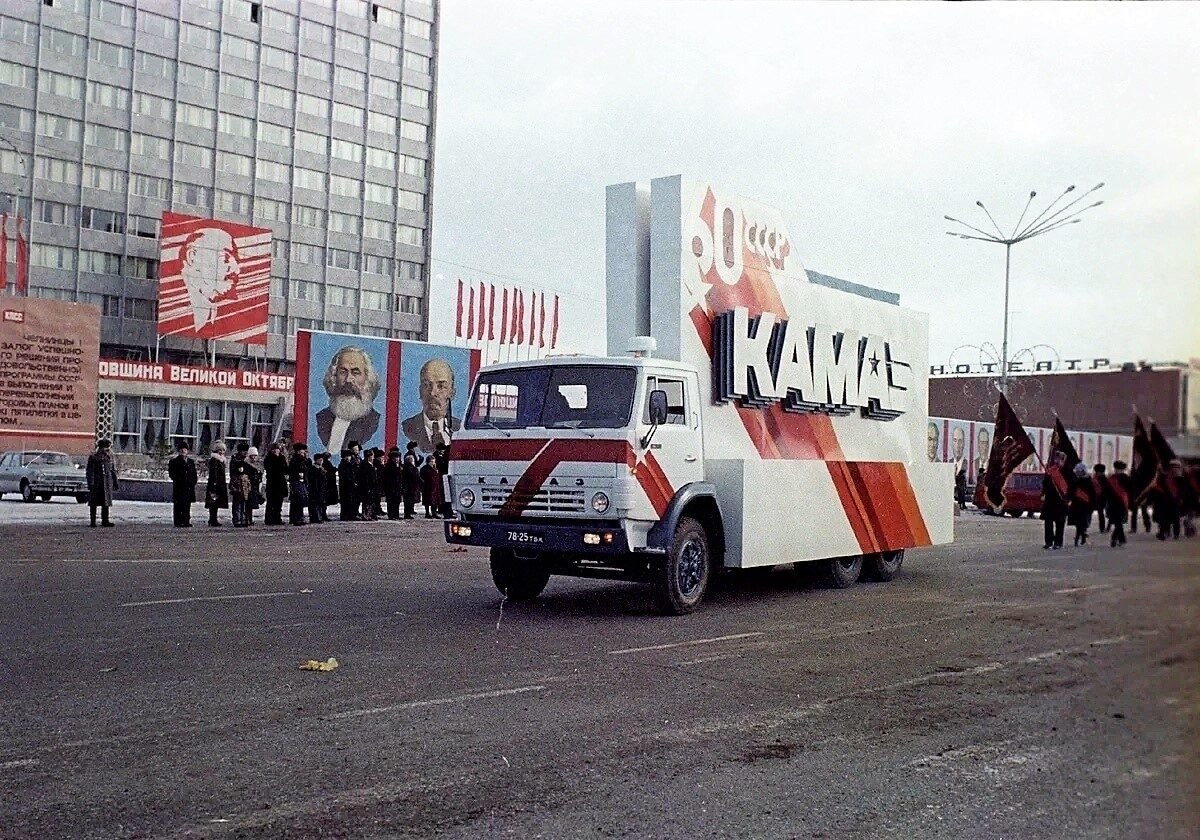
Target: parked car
1022 494
42 474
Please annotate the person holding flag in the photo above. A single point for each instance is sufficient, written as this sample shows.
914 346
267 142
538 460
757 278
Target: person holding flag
1143 470
1082 501
1056 486
1116 500
1012 446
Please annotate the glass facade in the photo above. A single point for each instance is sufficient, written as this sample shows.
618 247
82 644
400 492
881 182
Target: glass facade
313 118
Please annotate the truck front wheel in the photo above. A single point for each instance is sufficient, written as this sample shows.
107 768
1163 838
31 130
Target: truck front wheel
518 579
681 578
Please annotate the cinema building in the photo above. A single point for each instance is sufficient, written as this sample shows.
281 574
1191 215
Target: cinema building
309 122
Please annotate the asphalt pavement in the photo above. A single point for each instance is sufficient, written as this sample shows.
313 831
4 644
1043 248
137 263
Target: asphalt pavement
150 687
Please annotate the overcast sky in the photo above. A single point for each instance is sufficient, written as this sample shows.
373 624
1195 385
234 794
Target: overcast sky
864 124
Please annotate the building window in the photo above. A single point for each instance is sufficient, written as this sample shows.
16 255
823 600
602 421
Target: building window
240 48
383 123
385 88
381 158
100 262
236 125
197 76
156 66
235 164
317 32
375 264
347 150
64 128
53 256
380 193
410 130
377 229
276 96
309 216
97 218
307 141
410 235
306 290
18 31
149 186
107 95
282 21
59 84
200 36
386 53
114 13
17 75
309 179
344 223
280 135
54 213
276 325
193 194
63 43
348 114
152 24
312 105
112 55
416 62
408 270
417 28
352 79
141 268
146 227
16 119
346 187
381 301
315 69
149 105
385 16
307 254
232 85
102 178
151 146
245 10
193 155
409 304
410 200
338 258
351 42
341 296
355 8
269 170
140 309
415 96
231 202
278 59
415 166
269 210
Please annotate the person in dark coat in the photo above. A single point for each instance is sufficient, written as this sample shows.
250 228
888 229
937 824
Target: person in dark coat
316 490
1100 497
960 485
441 460
393 482
1082 503
298 470
1116 500
368 486
216 491
1054 506
101 481
380 463
347 472
240 485
410 470
431 488
1164 497
331 484
253 467
275 468
182 471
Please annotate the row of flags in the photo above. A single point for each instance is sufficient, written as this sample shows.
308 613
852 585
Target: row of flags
21 281
1012 445
514 316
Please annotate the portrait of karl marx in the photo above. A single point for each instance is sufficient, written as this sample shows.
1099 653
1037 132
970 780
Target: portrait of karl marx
352 385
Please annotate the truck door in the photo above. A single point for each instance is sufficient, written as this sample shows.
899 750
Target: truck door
676 445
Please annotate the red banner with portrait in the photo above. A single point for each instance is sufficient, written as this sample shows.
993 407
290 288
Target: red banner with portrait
214 279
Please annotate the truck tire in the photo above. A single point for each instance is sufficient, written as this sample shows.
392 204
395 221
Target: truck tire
883 566
27 494
518 579
681 578
843 572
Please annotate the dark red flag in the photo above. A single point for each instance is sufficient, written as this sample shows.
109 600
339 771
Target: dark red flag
519 316
1161 448
458 324
504 316
554 327
22 260
491 319
471 313
1143 464
1010 447
542 321
3 251
1060 444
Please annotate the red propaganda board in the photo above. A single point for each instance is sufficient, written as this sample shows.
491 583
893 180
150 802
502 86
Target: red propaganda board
214 279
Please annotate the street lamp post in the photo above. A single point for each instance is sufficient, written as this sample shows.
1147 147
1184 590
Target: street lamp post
1049 219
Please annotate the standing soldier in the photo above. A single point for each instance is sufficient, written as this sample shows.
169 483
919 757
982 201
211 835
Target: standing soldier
316 489
275 466
348 483
1054 504
331 484
1117 500
1082 503
298 483
216 490
1100 495
101 481
411 473
182 471
393 482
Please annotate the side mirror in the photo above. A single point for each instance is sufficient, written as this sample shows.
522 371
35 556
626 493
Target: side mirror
658 408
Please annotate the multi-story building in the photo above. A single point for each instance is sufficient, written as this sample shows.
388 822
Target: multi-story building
313 118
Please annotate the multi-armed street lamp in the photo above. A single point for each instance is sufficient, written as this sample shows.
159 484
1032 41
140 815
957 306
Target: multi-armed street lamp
1045 222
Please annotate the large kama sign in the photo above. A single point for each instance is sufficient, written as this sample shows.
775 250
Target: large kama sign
48 358
214 279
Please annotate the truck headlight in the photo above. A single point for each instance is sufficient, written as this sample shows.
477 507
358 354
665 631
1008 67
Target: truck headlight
600 502
466 497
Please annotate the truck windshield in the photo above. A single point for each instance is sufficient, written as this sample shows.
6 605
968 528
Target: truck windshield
556 397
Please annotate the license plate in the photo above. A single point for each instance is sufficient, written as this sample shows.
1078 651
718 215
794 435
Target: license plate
526 537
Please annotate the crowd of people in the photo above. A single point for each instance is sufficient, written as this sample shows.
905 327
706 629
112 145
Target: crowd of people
1171 501
365 485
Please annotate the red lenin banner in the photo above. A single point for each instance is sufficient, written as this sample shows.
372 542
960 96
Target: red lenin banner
214 279
1060 444
1011 446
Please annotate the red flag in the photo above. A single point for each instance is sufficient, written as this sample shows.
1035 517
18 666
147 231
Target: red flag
1010 447
482 310
491 312
22 259
1161 448
1060 444
471 314
504 317
554 325
542 321
458 324
519 315
1143 463
532 317
3 251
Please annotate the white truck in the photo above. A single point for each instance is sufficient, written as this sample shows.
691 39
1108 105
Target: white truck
758 419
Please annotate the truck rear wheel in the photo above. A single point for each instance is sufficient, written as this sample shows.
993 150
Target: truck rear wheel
518 579
843 572
681 578
883 566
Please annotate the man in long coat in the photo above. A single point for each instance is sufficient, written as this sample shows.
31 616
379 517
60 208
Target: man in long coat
182 471
275 468
101 481
347 472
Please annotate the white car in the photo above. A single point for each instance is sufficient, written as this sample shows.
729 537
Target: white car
42 474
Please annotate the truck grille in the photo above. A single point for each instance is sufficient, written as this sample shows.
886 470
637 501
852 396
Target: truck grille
553 500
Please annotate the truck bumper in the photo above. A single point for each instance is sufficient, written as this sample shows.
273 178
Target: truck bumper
568 538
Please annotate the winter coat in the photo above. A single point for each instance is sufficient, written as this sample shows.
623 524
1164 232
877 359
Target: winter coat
393 480
276 469
331 482
411 479
240 485
298 478
431 486
1081 499
347 473
1117 496
182 472
316 484
1053 505
216 491
101 478
367 482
